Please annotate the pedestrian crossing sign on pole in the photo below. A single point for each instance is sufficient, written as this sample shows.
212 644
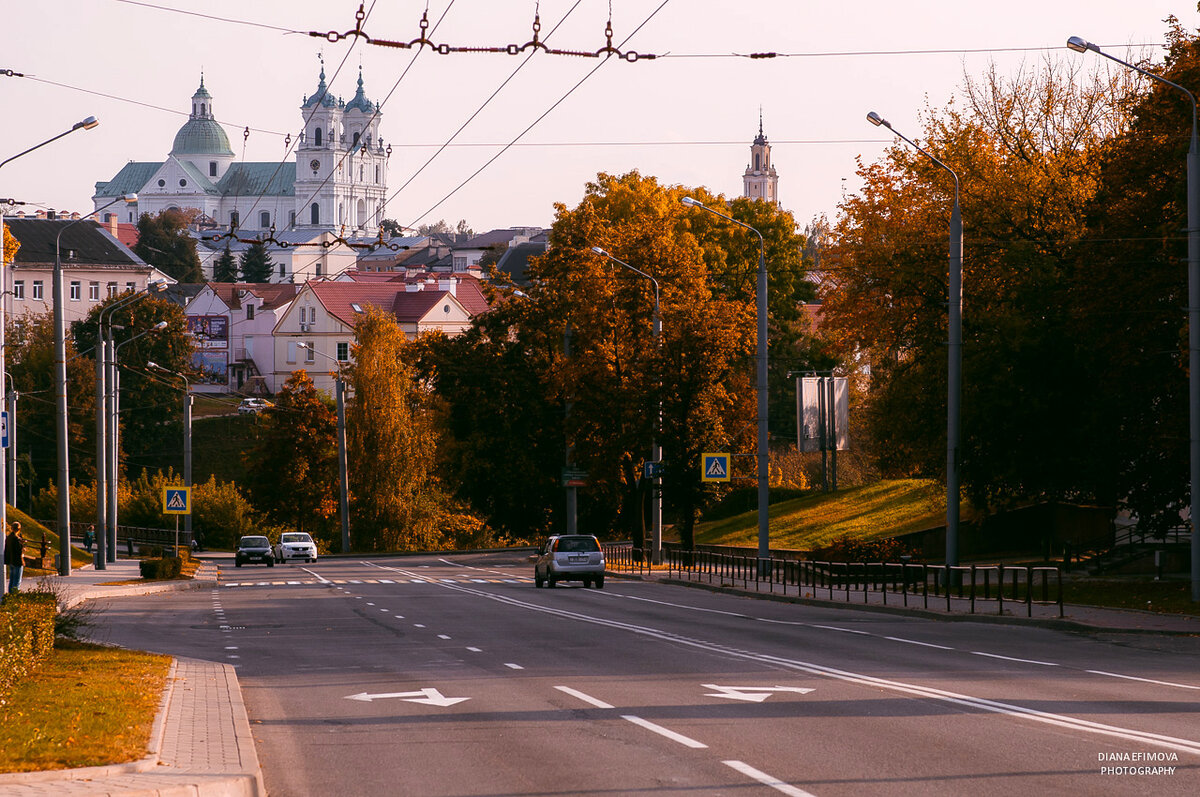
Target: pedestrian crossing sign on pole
177 500
714 467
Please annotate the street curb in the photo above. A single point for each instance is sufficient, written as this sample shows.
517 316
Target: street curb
1055 624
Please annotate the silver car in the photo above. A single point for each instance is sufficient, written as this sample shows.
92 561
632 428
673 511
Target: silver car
570 557
295 545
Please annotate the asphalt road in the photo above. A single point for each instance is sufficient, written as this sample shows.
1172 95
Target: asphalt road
455 676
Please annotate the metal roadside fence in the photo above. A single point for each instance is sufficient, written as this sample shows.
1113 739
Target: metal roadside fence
973 589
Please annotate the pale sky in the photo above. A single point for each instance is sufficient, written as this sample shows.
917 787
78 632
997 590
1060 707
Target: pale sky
685 119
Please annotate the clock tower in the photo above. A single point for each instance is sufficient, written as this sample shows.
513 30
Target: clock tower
760 180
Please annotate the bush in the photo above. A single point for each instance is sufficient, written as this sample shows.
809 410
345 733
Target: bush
26 637
848 549
164 568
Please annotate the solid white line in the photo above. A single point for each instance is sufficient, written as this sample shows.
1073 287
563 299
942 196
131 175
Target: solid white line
846 630
475 650
1010 658
915 642
767 780
1144 680
418 625
399 616
576 693
512 666
667 732
442 636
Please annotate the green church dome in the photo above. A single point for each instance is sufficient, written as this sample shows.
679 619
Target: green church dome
201 137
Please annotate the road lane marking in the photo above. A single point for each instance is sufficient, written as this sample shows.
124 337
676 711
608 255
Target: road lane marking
370 604
442 636
752 694
398 616
512 666
1144 680
428 696
575 693
844 630
993 706
1010 658
686 741
418 625
915 642
767 780
475 650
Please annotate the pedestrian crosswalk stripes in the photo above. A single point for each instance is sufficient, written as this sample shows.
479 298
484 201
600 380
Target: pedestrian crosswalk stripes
313 581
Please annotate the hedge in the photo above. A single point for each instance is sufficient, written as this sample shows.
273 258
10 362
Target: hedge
166 567
26 636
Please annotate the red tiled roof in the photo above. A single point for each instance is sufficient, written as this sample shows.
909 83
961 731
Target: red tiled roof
408 307
273 294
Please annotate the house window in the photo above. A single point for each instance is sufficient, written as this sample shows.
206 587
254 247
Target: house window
112 289
317 136
291 218
212 168
93 291
76 290
343 352
291 351
281 274
249 312
19 289
37 289
129 286
315 212
310 356
264 219
108 217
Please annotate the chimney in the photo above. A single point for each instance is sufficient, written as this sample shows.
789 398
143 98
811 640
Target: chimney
449 285
413 287
112 225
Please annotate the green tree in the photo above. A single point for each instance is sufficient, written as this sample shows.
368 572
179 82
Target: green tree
392 442
225 269
292 471
164 242
256 263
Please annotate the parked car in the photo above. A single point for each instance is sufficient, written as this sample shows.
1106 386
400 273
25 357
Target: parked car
295 545
254 548
570 557
253 406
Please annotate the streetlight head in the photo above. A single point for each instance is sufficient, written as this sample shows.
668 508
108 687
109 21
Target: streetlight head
156 286
152 364
1080 45
160 325
130 198
86 124
599 251
691 203
878 120
301 344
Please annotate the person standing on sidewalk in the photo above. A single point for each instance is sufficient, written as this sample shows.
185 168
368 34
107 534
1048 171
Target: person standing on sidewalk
14 556
89 538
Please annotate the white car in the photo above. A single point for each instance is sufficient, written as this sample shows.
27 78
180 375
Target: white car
253 406
295 545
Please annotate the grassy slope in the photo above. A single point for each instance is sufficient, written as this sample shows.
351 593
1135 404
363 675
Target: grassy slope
883 509
33 531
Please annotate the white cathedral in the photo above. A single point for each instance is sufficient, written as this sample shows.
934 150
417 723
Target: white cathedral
760 180
338 180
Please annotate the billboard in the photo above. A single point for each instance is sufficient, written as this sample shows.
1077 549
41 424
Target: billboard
209 331
816 425
212 367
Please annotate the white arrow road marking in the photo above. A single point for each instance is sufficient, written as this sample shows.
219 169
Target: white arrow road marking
767 780
428 696
754 694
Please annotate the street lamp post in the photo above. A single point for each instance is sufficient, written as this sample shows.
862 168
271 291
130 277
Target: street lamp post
187 439
655 447
1193 260
60 389
106 489
86 124
343 465
762 455
954 367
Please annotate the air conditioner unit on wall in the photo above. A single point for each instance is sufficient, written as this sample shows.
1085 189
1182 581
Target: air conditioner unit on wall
304 327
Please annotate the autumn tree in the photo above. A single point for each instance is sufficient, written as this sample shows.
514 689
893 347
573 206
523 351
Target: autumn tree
395 498
1027 151
256 263
164 241
293 473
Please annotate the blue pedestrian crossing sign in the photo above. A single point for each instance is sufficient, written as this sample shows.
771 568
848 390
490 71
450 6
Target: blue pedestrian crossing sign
177 500
4 430
714 467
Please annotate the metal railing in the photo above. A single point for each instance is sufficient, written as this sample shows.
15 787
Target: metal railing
968 588
131 537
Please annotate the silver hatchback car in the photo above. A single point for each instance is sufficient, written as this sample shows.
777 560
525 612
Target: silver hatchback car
570 557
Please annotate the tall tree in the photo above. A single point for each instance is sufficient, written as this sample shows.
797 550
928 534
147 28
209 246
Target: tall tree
163 241
396 500
225 268
293 469
256 263
1026 150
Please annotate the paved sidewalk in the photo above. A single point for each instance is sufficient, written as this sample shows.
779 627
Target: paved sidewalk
200 745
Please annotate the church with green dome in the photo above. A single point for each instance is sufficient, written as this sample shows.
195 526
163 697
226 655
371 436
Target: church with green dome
336 181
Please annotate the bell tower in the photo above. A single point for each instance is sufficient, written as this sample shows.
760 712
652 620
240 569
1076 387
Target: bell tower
760 180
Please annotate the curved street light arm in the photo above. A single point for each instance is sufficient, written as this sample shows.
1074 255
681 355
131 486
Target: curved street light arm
1080 45
86 124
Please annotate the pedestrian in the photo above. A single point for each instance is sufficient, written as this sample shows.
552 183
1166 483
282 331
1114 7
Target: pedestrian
89 538
14 556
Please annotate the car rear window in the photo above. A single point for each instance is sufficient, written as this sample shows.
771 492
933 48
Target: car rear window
255 542
577 544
